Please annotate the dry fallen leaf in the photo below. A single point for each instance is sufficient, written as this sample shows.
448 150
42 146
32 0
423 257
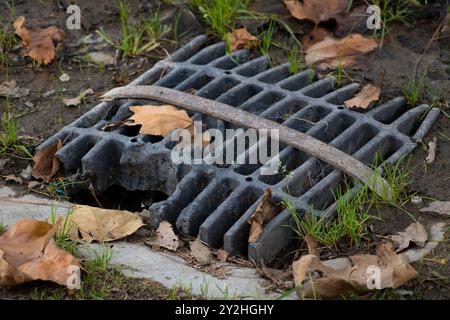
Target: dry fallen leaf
313 247
200 252
101 224
73 102
28 252
46 165
415 232
331 53
165 237
440 207
393 271
432 145
265 212
316 10
10 89
368 94
159 120
222 255
39 42
241 39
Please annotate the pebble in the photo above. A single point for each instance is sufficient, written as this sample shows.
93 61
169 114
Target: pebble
64 77
417 201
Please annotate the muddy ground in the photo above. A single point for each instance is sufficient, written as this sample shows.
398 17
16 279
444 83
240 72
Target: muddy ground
42 113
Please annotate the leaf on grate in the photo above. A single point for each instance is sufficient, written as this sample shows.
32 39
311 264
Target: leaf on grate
165 237
265 212
241 39
159 120
439 207
28 252
368 94
386 269
200 251
39 42
415 233
316 10
101 225
332 53
46 165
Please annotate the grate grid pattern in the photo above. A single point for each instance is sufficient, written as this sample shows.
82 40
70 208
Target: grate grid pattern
216 201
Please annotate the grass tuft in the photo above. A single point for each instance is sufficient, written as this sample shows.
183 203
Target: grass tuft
136 39
221 15
9 143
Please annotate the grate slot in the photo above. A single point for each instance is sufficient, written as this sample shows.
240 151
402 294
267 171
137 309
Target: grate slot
390 111
275 75
307 118
217 88
319 88
191 217
223 218
298 81
263 101
209 54
175 77
238 95
253 67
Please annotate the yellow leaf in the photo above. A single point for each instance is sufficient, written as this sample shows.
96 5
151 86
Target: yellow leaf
364 98
101 224
159 120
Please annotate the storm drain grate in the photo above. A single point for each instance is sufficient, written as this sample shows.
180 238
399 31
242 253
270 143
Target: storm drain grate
215 201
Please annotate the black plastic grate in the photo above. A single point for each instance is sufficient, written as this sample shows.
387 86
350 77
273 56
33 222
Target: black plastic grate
215 201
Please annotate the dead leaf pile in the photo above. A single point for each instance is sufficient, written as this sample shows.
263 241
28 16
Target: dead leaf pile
39 42
10 89
415 233
101 225
266 211
159 120
28 252
364 98
241 39
322 49
165 237
46 165
386 269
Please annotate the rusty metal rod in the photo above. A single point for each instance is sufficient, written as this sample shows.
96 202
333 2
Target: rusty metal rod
291 137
